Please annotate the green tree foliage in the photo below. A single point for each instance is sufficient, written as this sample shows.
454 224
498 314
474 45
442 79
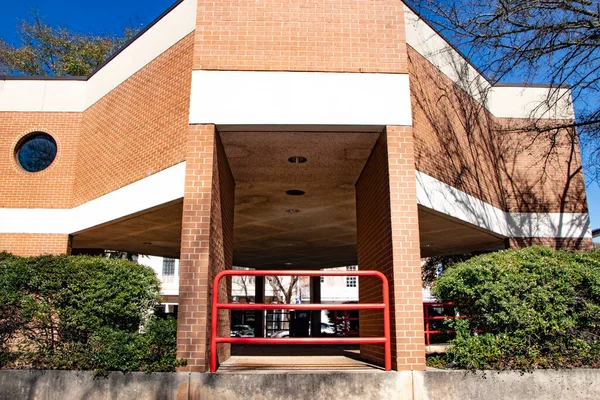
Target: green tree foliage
56 51
532 307
82 312
433 267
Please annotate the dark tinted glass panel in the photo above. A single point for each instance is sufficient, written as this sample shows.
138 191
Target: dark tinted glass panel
36 152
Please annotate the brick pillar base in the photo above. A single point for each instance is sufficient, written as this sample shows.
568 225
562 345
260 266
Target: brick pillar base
25 244
206 246
388 241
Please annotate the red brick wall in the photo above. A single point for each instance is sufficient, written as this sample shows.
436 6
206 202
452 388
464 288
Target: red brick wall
543 171
293 35
52 187
460 143
555 243
26 245
137 129
388 241
206 244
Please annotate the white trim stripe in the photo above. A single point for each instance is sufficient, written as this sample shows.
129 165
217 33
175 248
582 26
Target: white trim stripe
77 96
173 27
160 188
441 197
299 98
168 185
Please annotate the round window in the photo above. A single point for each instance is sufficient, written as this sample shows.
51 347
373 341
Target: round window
36 152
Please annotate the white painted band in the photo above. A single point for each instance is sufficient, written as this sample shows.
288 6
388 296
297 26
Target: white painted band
168 185
441 197
77 96
157 189
502 101
299 98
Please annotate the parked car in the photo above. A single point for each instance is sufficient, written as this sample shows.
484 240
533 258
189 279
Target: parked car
327 329
242 331
281 334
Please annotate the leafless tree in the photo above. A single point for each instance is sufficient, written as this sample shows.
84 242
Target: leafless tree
282 290
245 283
544 41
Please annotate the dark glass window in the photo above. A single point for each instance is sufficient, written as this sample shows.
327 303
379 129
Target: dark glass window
168 267
36 152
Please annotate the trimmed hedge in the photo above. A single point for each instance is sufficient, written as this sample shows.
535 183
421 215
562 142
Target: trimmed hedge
82 312
534 307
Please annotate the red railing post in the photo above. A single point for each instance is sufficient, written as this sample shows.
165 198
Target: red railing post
427 339
385 306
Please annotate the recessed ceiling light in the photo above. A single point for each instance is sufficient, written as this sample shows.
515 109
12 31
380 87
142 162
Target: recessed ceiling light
288 263
297 160
293 211
294 192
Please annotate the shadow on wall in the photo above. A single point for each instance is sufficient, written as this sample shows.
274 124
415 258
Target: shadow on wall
517 165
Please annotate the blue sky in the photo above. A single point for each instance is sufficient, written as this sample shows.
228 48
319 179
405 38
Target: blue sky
112 16
105 16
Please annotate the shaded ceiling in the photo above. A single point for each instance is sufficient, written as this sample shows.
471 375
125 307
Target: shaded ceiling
154 232
322 231
444 235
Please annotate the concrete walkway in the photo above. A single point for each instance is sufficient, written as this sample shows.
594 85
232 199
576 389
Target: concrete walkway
295 358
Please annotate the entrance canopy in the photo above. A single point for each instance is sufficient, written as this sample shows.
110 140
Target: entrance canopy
294 206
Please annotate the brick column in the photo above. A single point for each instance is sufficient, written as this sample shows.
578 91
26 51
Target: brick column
388 241
25 244
206 245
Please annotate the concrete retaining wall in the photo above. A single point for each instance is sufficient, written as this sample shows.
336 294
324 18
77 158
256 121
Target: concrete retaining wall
419 385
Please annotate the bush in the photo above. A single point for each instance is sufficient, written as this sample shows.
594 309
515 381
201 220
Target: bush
532 307
81 312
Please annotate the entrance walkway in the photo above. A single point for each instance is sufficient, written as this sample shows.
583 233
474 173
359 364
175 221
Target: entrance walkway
256 358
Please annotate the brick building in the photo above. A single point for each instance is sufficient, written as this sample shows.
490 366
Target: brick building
288 134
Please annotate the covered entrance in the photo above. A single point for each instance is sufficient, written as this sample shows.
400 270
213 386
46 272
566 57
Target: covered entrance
284 199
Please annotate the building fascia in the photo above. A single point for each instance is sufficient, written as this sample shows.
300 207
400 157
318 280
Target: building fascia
168 185
76 94
262 98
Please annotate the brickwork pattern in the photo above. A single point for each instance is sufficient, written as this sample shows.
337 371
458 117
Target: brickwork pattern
206 244
137 129
388 241
26 245
52 187
542 170
555 243
457 141
292 35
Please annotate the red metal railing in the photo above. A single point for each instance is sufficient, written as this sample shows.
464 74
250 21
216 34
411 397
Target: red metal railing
346 320
428 318
385 306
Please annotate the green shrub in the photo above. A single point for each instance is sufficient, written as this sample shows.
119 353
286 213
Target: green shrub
532 307
81 312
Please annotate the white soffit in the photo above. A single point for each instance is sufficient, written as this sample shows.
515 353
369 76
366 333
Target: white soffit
501 101
42 95
160 188
439 196
299 98
77 95
531 102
